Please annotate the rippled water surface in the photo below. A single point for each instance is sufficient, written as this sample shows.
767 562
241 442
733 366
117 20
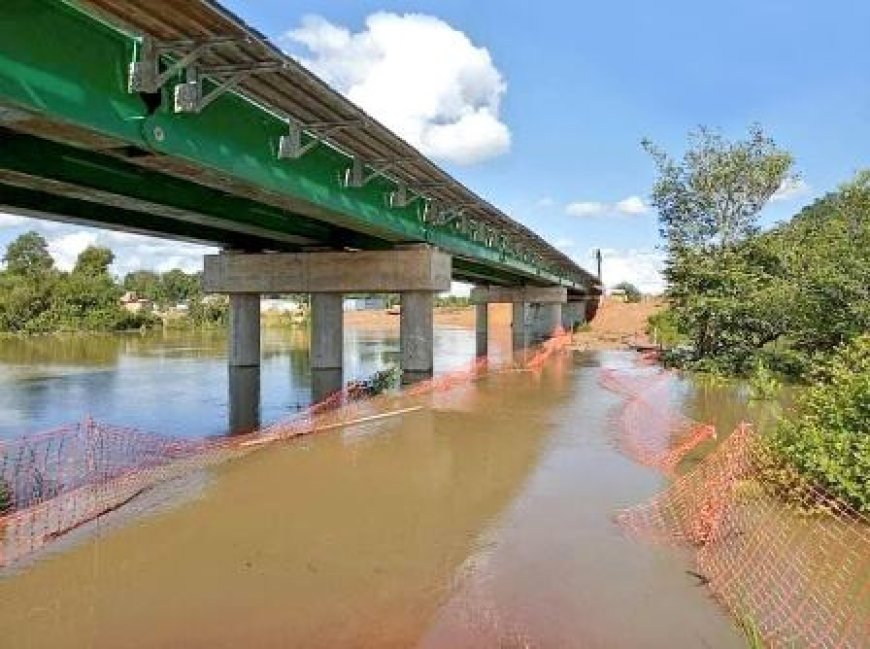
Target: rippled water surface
481 519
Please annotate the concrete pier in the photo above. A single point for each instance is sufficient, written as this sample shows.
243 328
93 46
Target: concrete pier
537 310
481 328
327 344
549 320
416 334
573 314
416 272
521 335
244 362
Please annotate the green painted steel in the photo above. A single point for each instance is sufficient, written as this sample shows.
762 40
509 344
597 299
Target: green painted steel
78 76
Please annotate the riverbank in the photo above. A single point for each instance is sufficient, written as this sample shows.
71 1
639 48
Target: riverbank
618 325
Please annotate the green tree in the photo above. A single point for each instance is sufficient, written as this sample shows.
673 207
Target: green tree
87 298
177 286
28 255
94 261
708 205
825 260
632 292
27 284
144 283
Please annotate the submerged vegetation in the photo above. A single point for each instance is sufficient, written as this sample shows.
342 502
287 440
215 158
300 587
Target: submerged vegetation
790 302
826 445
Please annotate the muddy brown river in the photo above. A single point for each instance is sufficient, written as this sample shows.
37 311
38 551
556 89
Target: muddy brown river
482 519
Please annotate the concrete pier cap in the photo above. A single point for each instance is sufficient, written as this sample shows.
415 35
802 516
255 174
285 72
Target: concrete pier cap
417 272
418 268
519 294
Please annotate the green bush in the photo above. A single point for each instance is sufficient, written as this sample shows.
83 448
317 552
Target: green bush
827 441
632 292
5 497
663 327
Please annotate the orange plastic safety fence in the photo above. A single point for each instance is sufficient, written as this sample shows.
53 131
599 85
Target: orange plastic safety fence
794 566
56 481
648 428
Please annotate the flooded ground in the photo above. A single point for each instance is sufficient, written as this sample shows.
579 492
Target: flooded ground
175 382
483 519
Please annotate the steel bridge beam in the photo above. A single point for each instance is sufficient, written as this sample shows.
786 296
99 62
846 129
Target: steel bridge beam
81 94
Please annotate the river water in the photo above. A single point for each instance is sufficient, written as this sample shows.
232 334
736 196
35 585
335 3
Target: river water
483 519
175 382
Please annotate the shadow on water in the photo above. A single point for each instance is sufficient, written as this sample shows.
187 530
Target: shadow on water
483 519
174 382
345 539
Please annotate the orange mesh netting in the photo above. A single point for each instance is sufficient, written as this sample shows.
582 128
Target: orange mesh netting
56 481
795 569
648 429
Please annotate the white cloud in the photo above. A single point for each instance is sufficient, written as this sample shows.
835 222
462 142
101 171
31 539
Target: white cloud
132 251
545 201
633 205
790 189
628 206
585 209
10 220
564 244
66 247
418 75
640 266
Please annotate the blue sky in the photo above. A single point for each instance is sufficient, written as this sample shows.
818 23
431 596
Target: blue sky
557 96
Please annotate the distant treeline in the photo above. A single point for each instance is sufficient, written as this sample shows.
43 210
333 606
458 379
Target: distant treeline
37 297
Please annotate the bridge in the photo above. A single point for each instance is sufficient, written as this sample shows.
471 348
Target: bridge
177 119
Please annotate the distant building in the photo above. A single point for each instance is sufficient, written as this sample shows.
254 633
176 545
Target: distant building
365 303
279 305
618 295
131 302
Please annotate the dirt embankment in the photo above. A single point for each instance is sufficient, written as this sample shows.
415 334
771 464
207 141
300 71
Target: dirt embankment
616 324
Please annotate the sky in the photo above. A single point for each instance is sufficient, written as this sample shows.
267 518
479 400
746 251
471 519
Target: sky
540 107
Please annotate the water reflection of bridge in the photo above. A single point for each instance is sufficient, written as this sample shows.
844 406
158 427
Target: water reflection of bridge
184 122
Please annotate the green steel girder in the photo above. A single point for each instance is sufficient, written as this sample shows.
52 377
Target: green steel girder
77 76
96 214
42 159
31 201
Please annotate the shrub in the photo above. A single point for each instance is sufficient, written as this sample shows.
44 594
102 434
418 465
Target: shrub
5 497
827 441
632 292
663 327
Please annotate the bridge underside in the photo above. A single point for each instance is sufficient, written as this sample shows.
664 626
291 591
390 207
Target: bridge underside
52 180
77 145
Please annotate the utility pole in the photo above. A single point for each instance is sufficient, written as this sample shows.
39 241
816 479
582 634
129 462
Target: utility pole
598 261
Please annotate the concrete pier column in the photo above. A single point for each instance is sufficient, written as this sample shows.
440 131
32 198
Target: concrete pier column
481 326
327 344
416 334
573 314
244 362
520 325
550 319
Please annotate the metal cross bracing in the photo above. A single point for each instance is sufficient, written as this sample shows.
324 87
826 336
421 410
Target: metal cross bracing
187 90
